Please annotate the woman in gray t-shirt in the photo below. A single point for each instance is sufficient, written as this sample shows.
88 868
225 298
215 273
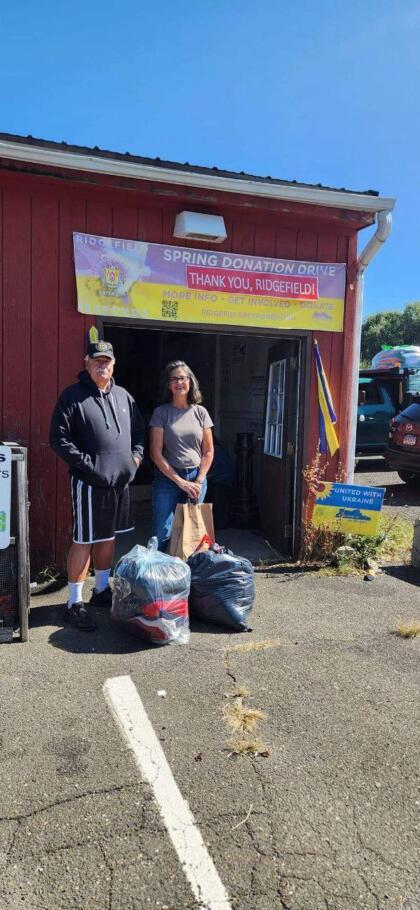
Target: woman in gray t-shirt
181 447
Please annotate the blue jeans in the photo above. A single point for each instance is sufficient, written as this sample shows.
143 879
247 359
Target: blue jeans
165 498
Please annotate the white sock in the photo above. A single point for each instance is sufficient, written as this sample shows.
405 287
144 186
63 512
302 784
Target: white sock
101 579
75 593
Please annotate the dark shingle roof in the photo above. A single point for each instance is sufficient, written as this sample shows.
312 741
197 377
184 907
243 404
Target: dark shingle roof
171 165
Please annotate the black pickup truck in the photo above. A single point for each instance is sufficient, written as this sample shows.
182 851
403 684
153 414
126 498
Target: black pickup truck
382 394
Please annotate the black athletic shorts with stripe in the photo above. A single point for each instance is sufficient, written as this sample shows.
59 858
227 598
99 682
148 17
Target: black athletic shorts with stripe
99 513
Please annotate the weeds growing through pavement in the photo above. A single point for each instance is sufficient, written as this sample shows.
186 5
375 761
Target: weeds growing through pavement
409 630
243 722
242 719
238 692
252 746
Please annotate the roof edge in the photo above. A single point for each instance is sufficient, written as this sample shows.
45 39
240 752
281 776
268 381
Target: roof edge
71 160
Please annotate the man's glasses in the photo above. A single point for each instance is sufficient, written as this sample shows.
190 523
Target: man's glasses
179 379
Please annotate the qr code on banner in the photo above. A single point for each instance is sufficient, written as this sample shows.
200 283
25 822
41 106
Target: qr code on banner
169 309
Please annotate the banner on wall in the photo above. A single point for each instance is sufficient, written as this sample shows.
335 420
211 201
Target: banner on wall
129 278
348 508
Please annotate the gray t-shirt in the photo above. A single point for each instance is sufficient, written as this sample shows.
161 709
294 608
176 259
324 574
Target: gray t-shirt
182 433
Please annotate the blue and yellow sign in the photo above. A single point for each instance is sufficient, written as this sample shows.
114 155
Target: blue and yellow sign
348 508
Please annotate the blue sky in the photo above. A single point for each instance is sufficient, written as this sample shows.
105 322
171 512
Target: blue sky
324 92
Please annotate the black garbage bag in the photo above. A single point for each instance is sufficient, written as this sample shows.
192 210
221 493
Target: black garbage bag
222 588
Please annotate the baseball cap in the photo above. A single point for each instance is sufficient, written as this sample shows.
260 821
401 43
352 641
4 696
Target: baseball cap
100 349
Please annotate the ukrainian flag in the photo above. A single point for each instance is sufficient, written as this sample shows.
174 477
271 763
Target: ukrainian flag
327 417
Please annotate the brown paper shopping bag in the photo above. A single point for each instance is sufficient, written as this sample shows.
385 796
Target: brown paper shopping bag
191 523
174 547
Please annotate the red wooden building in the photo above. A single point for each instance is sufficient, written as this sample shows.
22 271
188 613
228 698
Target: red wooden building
50 190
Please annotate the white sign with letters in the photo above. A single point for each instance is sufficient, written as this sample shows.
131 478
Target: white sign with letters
5 491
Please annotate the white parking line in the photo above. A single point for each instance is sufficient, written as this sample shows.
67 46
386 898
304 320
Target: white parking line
130 715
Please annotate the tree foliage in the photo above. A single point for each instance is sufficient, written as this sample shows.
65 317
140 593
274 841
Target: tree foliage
392 327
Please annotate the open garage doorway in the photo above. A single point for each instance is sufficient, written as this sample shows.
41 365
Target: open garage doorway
251 388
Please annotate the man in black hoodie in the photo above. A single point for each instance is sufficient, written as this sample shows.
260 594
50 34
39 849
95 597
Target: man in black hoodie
97 429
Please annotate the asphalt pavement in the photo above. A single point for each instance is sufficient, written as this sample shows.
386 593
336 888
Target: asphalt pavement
399 497
327 818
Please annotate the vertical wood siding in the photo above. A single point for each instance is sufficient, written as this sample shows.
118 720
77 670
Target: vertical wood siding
16 315
42 336
44 328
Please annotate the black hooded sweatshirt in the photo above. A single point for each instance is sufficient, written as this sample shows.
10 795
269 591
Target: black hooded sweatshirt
98 433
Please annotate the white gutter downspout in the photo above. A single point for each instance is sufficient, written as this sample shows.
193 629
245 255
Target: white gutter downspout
383 230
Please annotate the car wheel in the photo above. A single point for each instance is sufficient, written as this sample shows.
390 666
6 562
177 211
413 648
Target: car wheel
410 478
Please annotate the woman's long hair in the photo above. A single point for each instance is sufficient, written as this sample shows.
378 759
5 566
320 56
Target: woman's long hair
194 394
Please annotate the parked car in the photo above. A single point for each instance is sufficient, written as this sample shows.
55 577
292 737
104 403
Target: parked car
375 409
382 394
403 451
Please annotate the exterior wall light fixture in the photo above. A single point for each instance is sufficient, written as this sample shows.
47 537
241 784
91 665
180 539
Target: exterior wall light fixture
196 226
